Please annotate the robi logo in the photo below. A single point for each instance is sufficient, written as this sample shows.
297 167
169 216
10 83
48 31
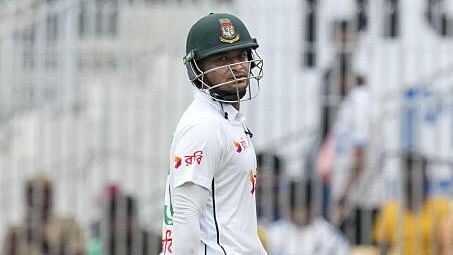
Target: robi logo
177 162
167 242
194 158
240 145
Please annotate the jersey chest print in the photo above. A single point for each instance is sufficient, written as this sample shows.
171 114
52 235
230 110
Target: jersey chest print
240 145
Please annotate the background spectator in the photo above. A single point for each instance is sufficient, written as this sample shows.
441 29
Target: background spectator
119 230
357 179
43 232
303 231
412 225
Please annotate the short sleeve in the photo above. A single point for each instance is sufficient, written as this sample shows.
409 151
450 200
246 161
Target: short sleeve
197 154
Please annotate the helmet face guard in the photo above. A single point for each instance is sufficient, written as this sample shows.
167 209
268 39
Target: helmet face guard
222 91
218 33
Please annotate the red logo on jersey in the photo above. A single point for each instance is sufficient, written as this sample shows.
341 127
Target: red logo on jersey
240 145
252 179
167 242
197 156
177 162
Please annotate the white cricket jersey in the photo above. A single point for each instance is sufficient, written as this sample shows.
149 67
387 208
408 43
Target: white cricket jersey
211 148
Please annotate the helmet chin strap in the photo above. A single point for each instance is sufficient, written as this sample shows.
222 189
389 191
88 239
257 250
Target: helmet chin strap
228 96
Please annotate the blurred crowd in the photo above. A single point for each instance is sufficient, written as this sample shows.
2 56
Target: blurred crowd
339 204
342 202
44 232
417 222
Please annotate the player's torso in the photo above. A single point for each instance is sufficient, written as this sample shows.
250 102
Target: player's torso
238 169
231 210
228 223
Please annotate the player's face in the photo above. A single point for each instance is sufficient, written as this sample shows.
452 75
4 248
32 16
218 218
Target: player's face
230 68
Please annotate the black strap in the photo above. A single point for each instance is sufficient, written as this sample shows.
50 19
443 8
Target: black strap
215 217
248 132
225 114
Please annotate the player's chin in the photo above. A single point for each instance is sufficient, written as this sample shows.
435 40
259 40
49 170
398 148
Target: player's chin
236 85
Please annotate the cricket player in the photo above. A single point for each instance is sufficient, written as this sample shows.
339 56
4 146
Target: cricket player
210 193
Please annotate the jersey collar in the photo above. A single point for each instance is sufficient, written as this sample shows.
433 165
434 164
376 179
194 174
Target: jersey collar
225 109
233 114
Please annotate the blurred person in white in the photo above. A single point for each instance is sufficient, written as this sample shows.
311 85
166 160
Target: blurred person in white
43 232
357 183
303 231
210 203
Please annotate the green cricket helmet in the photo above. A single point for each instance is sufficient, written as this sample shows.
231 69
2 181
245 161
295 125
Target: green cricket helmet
218 33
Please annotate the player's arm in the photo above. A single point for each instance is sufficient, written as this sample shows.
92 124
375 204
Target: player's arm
189 201
199 151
